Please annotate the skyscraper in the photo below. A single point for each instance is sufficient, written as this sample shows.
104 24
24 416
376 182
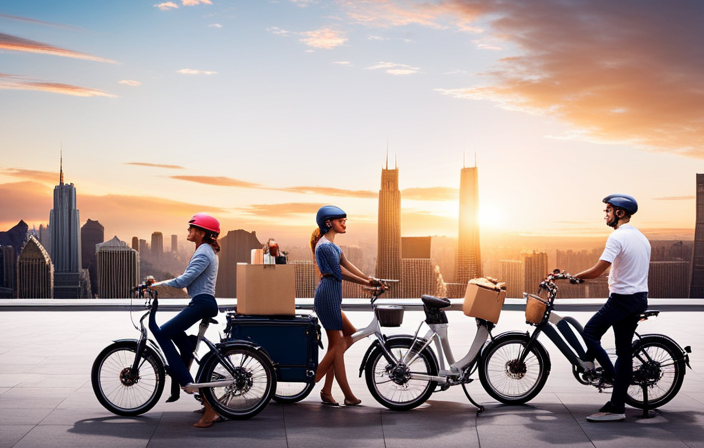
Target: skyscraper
417 269
668 279
536 269
35 272
513 274
469 262
64 222
157 245
697 285
236 247
174 243
135 243
7 272
118 269
92 233
388 260
305 278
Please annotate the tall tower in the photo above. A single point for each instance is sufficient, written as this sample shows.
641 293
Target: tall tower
697 286
157 245
388 259
469 262
35 273
118 269
65 227
92 234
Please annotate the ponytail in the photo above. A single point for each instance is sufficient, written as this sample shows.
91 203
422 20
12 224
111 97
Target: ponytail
212 240
314 238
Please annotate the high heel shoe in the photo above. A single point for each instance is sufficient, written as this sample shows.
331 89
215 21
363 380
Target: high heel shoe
328 400
356 402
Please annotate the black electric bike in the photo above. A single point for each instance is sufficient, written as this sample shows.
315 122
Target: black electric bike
236 377
516 365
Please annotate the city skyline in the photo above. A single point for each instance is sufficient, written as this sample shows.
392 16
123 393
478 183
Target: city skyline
261 112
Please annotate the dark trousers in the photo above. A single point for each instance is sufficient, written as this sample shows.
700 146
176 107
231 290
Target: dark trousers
174 332
620 312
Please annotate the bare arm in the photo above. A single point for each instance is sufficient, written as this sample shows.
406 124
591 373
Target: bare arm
595 271
351 273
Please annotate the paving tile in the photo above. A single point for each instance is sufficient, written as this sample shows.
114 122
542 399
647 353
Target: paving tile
11 434
89 434
22 416
454 425
314 425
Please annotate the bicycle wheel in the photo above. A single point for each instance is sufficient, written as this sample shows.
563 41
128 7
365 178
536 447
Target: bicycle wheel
255 382
391 385
121 390
289 393
509 380
658 363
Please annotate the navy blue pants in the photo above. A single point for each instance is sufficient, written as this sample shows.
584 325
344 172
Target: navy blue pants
620 312
174 332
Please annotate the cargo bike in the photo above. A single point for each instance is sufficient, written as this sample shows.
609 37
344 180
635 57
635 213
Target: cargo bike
237 375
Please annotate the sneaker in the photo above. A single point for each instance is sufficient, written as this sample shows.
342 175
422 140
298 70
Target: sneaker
608 413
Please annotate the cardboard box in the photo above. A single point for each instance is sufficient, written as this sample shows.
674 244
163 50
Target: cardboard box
483 301
266 290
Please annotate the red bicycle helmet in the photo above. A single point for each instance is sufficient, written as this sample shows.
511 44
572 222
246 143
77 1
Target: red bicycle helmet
206 222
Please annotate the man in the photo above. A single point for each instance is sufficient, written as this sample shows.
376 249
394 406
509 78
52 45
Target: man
627 252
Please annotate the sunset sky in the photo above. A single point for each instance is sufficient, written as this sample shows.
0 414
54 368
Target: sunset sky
261 111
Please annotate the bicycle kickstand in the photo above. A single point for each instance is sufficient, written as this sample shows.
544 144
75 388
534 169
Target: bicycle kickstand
479 407
646 412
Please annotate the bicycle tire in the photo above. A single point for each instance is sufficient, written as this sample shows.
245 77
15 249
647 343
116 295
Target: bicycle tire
391 394
664 365
505 378
255 386
289 393
117 390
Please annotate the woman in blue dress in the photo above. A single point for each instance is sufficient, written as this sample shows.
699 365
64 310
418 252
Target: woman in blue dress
334 267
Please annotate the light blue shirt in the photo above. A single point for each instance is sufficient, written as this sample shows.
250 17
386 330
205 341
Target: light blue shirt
201 273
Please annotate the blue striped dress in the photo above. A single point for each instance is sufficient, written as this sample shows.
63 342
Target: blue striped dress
328 294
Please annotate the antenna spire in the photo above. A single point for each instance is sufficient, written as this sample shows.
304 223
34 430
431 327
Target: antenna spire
395 160
387 153
475 159
61 166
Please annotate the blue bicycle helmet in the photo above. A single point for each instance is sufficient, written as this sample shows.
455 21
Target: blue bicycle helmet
624 201
325 213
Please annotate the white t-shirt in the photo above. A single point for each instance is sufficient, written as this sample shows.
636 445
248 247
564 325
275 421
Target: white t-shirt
628 251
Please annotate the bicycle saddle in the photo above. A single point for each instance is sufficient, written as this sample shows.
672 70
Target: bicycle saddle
435 302
648 313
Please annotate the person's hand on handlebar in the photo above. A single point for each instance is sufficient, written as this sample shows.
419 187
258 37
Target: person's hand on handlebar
576 280
375 282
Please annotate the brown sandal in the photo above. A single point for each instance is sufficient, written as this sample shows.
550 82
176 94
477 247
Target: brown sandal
328 399
357 402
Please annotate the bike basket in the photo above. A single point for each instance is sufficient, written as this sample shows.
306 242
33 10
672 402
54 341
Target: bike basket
535 309
389 315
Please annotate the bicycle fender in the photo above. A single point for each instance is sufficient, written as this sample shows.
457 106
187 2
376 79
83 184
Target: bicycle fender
232 343
376 344
517 334
152 348
685 352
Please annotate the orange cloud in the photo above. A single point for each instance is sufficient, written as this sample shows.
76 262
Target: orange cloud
12 82
45 177
219 181
278 210
39 22
615 76
120 214
326 191
155 165
431 194
130 82
196 2
325 38
14 43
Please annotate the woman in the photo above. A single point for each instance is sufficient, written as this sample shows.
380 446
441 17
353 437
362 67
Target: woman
199 280
331 221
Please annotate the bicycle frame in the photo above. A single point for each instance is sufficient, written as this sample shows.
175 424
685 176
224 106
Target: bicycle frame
438 334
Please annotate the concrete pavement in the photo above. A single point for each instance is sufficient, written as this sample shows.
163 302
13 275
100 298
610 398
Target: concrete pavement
46 397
